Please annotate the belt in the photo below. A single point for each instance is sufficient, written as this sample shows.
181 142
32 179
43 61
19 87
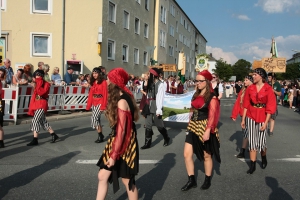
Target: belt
258 105
97 95
38 97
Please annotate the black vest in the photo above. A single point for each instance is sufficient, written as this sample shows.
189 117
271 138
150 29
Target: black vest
202 113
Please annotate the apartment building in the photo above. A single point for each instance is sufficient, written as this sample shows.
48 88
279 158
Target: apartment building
86 34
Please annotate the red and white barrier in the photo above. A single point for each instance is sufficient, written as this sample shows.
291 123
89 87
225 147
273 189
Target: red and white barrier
75 97
10 96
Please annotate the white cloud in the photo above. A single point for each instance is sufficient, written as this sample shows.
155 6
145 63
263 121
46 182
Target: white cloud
218 53
277 6
257 50
241 17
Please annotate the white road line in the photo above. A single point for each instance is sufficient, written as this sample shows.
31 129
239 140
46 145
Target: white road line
282 159
95 161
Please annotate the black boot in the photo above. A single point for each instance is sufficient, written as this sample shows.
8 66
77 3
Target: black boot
190 184
100 138
164 133
1 144
54 137
241 154
252 167
148 139
206 183
34 142
264 162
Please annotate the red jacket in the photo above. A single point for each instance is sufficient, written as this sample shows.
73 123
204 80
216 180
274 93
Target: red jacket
101 91
264 96
39 99
238 107
173 91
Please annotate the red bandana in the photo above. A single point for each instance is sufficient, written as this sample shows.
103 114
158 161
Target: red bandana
119 77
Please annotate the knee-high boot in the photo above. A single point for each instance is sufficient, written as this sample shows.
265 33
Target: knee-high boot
148 139
164 133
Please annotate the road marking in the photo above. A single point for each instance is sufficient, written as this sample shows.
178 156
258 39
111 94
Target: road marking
95 161
282 159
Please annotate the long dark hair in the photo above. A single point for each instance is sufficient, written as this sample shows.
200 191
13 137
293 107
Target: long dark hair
100 76
207 91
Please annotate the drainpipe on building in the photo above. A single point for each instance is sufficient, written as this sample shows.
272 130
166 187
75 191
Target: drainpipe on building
63 37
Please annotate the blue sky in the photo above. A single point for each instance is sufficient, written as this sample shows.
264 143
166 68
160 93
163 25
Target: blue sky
243 29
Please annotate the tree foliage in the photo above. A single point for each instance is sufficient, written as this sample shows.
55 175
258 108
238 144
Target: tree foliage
241 69
223 69
292 72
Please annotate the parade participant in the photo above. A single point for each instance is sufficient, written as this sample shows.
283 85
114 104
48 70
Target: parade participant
144 90
120 157
97 100
155 97
239 109
218 88
277 92
38 107
259 104
202 134
2 104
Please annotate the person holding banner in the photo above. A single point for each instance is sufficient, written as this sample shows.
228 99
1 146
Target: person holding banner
38 107
120 158
239 109
259 103
202 134
97 100
154 113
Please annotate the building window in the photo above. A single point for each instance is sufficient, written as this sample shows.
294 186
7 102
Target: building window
136 56
176 26
145 58
146 30
3 4
171 50
111 49
138 1
163 14
112 12
40 6
126 20
162 38
125 53
181 20
137 26
147 4
171 30
176 43
175 60
41 44
172 10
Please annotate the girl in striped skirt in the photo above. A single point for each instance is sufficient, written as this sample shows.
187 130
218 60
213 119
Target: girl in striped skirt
239 109
120 158
38 107
259 104
97 100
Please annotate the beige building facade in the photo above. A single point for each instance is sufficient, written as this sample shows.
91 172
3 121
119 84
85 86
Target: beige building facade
86 34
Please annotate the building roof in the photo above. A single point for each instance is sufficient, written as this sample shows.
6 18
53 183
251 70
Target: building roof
211 58
189 19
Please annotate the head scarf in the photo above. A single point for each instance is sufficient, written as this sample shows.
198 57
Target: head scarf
39 72
261 72
250 78
119 77
206 74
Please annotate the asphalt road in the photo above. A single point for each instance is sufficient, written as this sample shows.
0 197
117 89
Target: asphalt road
67 170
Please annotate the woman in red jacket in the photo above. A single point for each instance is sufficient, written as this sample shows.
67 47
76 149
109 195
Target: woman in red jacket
97 100
259 104
38 107
239 109
202 133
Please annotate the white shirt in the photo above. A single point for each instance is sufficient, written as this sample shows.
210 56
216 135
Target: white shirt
160 99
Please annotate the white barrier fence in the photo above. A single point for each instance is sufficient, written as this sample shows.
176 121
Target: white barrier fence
17 99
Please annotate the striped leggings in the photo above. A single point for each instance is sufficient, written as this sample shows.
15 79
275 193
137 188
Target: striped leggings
96 116
256 138
39 119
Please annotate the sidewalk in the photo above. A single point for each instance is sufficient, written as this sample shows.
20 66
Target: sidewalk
51 116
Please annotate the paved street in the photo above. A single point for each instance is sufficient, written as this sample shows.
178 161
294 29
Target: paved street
67 170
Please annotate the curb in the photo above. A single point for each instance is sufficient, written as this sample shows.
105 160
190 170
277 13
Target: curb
54 117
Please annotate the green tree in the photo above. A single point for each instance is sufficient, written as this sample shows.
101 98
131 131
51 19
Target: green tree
292 72
241 69
223 69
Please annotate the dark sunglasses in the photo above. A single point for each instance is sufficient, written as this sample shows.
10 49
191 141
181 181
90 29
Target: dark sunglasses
201 81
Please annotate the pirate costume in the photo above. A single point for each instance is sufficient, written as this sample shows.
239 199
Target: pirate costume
97 100
122 146
38 107
154 111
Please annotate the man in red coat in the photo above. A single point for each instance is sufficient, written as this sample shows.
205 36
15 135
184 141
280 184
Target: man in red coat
38 107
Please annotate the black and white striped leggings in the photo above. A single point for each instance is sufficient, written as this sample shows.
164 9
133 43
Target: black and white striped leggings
256 138
96 116
39 120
